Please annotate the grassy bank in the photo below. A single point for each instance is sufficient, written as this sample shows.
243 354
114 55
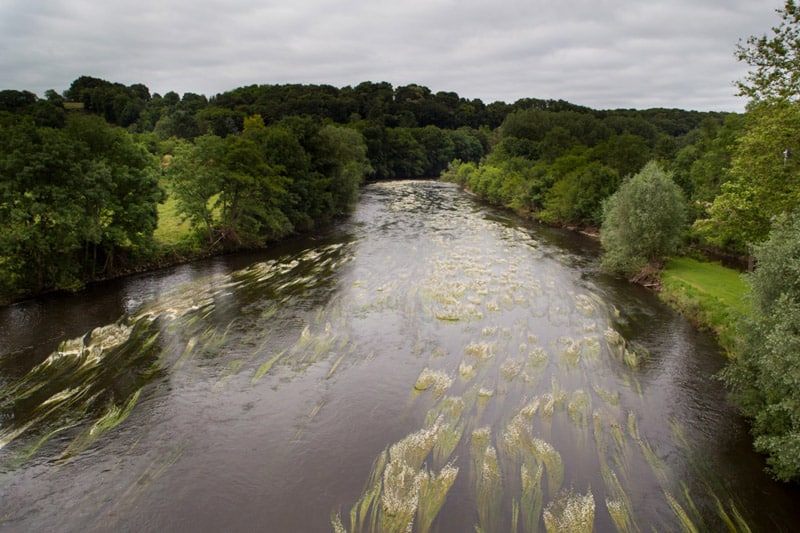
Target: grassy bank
710 295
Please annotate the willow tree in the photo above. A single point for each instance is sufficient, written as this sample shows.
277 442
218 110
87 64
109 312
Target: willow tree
643 222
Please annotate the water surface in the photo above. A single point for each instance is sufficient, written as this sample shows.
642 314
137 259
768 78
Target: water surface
430 358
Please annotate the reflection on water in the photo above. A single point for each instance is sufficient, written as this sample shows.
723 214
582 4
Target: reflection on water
431 364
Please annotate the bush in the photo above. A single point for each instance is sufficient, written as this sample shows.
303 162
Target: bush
643 222
765 377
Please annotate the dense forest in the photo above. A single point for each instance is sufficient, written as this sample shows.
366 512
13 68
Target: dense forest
84 172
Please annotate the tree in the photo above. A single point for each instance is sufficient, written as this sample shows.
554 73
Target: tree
765 376
765 179
72 201
643 222
775 60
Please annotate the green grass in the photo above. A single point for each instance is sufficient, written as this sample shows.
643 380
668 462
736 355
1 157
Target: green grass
710 295
171 230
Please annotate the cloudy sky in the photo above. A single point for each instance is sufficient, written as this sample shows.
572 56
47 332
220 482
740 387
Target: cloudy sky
599 53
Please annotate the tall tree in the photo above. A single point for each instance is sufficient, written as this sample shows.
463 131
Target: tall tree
765 376
643 222
774 60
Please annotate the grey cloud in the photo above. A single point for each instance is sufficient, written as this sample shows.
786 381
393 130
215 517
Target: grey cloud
600 53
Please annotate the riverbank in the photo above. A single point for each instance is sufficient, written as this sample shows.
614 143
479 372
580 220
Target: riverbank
711 296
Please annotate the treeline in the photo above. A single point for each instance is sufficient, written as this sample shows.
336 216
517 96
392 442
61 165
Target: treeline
560 165
83 172
737 172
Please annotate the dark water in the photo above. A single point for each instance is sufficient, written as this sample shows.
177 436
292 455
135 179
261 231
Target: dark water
431 359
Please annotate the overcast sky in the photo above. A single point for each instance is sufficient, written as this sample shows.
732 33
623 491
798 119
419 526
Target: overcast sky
599 53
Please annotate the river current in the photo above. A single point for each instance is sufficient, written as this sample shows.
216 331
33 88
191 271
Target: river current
429 364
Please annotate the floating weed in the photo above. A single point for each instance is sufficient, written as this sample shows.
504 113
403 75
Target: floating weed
436 379
613 337
552 400
686 524
447 439
578 407
265 367
570 512
399 497
736 524
619 504
489 331
611 398
544 453
510 368
335 366
113 417
413 448
538 356
485 393
591 347
467 371
620 516
655 462
530 408
433 489
571 351
366 505
489 491
449 409
532 497
481 351
631 357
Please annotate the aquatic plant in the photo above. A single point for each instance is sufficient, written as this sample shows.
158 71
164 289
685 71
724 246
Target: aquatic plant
570 512
114 416
447 440
538 356
466 371
399 497
532 497
438 379
485 393
619 503
530 408
489 490
510 368
481 351
546 454
433 489
571 352
686 524
266 366
611 398
578 407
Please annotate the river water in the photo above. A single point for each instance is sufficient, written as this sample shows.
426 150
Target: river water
430 361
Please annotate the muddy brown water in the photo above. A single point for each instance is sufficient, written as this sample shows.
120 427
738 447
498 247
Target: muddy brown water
276 391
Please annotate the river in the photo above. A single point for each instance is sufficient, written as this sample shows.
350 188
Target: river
429 361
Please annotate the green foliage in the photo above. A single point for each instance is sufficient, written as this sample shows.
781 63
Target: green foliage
643 222
74 202
765 377
775 60
765 179
245 190
578 197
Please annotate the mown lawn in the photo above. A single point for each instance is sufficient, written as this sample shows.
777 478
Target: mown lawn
712 296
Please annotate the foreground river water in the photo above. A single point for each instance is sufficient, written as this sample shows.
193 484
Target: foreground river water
431 361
